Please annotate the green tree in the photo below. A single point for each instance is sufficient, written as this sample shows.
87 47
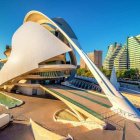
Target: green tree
106 72
84 72
132 74
81 72
88 74
120 73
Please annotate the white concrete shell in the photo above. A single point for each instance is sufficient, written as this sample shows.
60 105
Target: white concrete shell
31 44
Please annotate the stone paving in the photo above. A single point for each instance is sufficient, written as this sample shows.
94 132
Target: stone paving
42 110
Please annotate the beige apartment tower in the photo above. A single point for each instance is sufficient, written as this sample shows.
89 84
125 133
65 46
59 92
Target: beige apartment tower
121 60
113 51
124 57
95 56
133 44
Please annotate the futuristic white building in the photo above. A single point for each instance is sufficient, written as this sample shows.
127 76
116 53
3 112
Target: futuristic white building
40 48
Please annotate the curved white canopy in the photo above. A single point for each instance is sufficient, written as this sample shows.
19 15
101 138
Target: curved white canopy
31 44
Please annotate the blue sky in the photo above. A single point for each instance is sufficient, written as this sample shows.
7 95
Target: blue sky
97 23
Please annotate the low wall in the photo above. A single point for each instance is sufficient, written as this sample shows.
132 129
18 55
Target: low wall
31 91
130 86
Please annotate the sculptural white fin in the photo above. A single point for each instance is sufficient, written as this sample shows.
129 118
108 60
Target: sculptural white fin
113 79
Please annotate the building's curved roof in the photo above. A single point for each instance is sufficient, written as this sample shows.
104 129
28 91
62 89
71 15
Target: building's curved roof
65 26
36 45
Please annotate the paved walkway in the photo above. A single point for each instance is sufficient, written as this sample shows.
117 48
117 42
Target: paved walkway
42 110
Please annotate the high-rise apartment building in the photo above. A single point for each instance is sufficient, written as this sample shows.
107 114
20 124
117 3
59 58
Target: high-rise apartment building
121 60
112 53
126 57
96 57
134 51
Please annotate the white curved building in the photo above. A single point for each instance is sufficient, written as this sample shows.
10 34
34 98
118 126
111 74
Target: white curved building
40 50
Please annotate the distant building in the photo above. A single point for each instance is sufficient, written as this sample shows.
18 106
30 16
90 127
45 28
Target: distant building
121 60
82 64
112 53
7 53
134 51
95 56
